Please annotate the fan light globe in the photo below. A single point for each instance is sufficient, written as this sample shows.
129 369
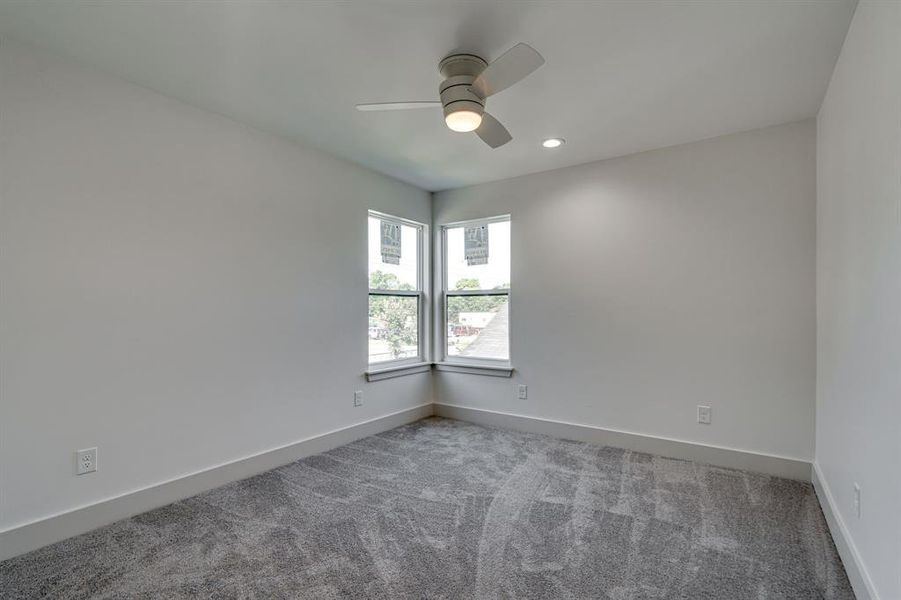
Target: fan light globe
463 120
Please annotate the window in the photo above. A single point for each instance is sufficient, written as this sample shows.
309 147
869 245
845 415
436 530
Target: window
396 300
477 291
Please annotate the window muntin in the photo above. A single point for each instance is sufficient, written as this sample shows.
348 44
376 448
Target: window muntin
396 300
476 307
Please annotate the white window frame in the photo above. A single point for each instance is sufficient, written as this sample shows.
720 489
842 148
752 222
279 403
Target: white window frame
403 366
448 362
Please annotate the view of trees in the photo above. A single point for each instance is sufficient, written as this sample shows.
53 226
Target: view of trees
473 303
394 316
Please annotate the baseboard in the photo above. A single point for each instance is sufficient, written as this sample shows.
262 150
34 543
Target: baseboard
30 536
854 567
36 534
780 466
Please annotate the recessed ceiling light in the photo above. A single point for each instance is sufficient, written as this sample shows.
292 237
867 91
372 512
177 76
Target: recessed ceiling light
553 142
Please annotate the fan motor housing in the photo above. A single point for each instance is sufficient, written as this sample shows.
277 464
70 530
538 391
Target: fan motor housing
461 64
457 94
456 91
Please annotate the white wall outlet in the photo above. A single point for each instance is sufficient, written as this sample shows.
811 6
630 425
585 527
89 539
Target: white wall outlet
857 500
523 391
358 398
85 461
703 414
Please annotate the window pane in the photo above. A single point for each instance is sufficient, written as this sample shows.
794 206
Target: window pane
493 275
385 275
477 327
393 327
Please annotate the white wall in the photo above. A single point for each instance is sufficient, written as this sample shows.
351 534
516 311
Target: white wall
859 290
646 285
166 273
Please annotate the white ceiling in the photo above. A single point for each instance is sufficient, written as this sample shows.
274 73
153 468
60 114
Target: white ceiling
620 77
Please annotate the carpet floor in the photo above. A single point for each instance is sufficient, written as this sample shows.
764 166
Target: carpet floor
444 509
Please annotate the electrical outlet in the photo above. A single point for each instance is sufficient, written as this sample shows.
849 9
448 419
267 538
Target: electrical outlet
358 398
85 461
857 500
523 392
703 414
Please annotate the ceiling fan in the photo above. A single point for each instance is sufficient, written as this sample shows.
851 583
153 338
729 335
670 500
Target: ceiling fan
469 81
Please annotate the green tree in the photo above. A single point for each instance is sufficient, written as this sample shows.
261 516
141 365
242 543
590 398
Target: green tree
467 283
458 304
396 316
379 280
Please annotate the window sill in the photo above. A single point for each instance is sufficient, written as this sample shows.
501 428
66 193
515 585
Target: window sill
397 371
489 370
422 367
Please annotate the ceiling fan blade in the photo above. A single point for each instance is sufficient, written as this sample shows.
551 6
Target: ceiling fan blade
511 66
397 105
492 132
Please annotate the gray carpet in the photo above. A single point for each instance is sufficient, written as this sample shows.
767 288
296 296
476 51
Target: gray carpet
443 509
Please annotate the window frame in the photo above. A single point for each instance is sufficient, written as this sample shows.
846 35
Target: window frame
422 305
446 293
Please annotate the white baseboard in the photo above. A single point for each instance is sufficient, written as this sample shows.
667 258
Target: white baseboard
30 536
854 567
780 466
